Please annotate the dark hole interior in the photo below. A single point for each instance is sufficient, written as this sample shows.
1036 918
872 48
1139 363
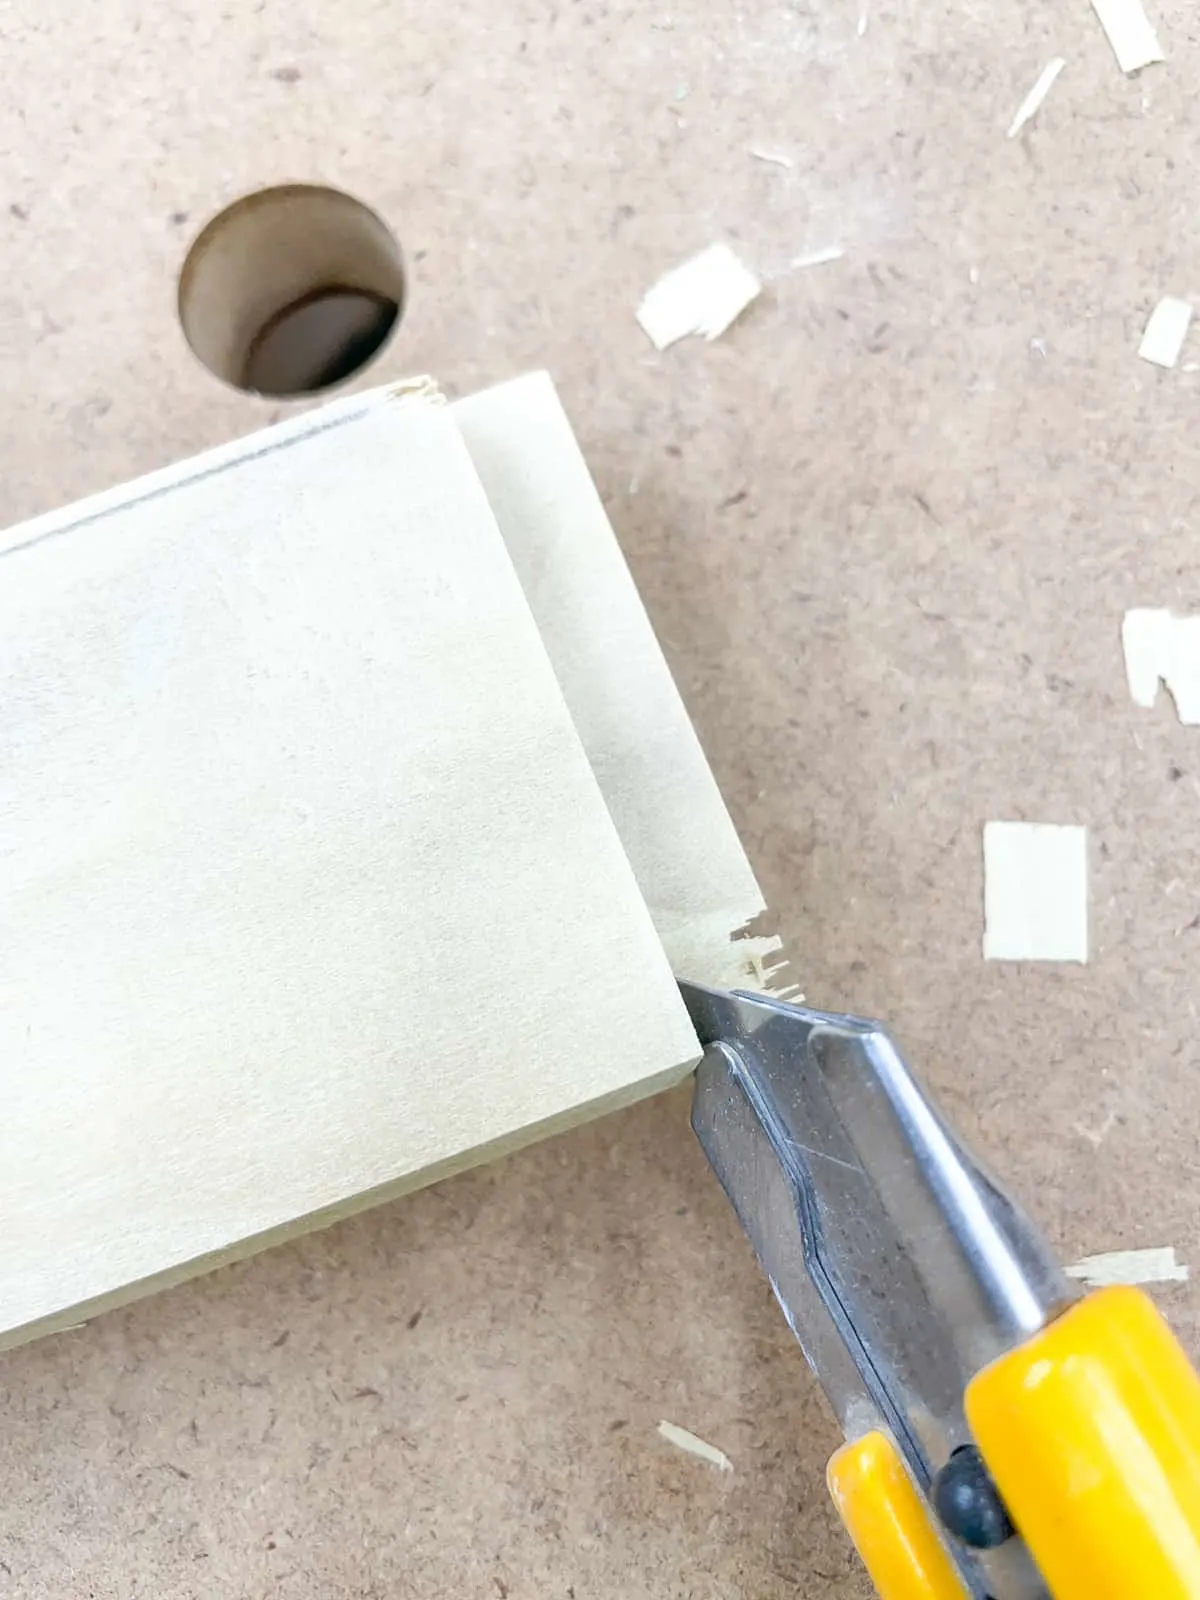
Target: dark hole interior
317 341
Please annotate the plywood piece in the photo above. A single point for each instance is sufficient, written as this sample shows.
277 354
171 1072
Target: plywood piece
307 891
652 772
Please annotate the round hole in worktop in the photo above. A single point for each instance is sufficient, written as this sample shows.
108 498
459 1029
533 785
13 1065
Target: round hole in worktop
291 290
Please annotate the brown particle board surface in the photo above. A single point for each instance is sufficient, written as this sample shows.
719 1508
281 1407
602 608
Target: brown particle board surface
886 529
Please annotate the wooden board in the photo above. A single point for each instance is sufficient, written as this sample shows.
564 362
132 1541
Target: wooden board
652 772
309 893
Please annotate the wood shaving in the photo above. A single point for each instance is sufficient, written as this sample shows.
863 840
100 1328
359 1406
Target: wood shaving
1035 892
1165 332
703 295
1032 102
818 258
1163 648
1133 39
775 157
1129 1266
693 1445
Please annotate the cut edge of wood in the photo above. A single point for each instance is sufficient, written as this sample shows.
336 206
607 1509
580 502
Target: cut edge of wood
79 1315
670 815
32 531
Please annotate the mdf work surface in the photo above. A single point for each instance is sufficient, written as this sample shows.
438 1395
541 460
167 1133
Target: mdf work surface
886 528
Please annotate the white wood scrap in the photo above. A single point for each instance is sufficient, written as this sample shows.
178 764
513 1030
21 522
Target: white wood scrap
694 1445
818 258
1129 1266
1035 892
1166 331
1032 102
1160 647
703 295
1130 33
774 158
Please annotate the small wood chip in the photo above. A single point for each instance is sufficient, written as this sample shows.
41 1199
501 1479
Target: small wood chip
1159 648
1165 332
1129 1266
1034 892
818 258
695 1446
1032 102
703 295
1133 39
775 158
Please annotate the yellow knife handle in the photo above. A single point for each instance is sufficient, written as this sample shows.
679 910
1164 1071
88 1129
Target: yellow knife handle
888 1521
1091 1431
